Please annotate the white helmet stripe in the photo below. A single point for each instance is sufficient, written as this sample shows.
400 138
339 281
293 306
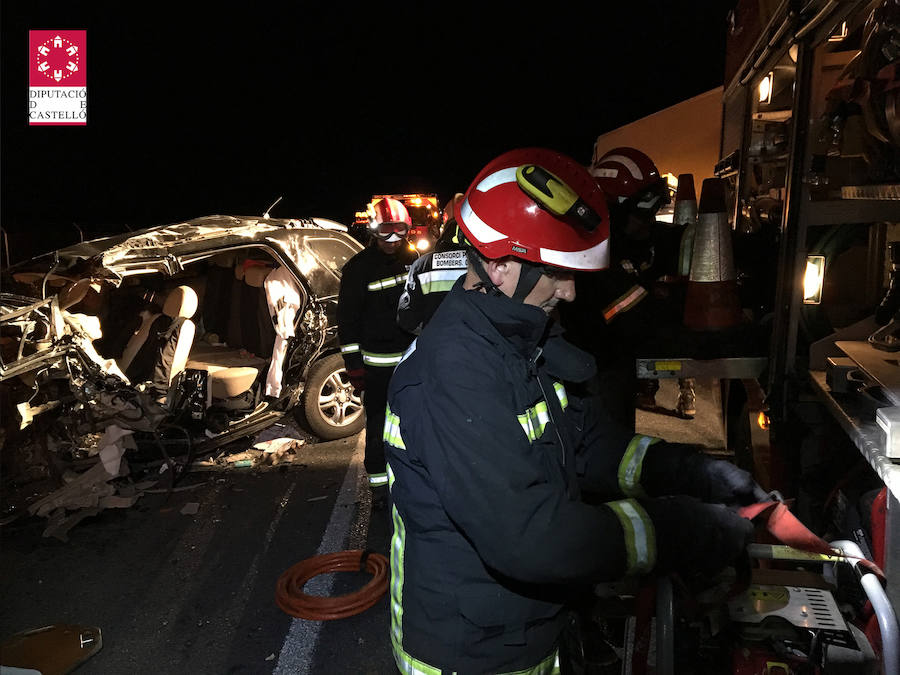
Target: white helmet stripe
479 230
591 259
497 178
628 163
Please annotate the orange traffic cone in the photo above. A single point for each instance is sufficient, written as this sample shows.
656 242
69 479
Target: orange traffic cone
712 300
685 214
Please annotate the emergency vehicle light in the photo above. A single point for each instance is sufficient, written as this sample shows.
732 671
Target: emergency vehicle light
765 88
813 279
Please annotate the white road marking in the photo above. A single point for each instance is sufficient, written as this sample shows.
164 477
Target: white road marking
296 655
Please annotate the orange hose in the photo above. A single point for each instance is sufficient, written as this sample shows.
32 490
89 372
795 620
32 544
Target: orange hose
292 600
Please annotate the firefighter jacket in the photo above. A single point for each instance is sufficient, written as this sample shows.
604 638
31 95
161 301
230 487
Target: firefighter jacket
430 278
371 284
487 454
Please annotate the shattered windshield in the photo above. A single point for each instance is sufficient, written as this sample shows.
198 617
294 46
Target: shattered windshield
331 253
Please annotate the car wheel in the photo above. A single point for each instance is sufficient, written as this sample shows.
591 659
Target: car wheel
330 408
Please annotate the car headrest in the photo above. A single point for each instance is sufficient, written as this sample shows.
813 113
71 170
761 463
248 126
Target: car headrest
256 275
181 302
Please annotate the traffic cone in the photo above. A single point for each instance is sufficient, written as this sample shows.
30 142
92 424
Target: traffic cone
685 214
712 299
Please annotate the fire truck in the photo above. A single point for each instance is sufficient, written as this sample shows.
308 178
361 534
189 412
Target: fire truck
423 209
809 154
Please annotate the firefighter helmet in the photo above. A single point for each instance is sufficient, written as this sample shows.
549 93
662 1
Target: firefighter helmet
628 175
450 208
540 206
391 220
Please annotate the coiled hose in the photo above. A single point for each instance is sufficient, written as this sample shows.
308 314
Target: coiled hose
292 600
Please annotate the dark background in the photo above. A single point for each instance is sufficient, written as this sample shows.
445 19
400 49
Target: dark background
199 108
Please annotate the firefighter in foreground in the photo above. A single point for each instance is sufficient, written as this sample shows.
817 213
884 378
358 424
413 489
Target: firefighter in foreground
371 341
487 454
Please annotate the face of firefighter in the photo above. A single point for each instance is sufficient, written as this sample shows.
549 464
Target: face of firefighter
390 247
548 292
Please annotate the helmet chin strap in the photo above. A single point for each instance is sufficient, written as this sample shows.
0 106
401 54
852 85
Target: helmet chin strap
529 275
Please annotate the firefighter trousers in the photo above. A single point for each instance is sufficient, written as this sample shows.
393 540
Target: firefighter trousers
375 402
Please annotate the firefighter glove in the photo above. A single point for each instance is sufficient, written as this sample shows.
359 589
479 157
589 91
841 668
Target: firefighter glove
357 379
720 481
694 537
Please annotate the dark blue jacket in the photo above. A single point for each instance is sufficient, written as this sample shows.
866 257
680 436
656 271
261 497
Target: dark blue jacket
487 454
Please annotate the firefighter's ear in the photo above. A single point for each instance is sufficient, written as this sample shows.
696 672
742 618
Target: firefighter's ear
501 270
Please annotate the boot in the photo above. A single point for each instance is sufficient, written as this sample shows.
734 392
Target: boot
686 406
646 394
890 303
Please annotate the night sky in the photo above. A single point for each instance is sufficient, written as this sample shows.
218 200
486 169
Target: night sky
199 108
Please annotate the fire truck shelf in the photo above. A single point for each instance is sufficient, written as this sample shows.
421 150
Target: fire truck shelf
862 210
722 369
852 415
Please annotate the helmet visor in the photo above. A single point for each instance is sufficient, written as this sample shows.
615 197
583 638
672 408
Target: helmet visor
391 231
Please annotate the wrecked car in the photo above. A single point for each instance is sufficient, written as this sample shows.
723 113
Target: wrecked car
192 334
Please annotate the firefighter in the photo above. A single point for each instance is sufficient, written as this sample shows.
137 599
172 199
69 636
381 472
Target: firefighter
621 311
371 341
433 274
487 453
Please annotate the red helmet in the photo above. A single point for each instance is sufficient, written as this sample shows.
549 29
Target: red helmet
391 220
537 205
627 174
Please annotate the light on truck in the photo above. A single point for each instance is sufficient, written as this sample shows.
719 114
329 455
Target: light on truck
813 279
762 420
417 201
765 88
422 244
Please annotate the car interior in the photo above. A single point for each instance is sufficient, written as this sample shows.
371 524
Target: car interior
212 317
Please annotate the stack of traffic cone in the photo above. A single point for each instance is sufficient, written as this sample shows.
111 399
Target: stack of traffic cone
685 214
712 299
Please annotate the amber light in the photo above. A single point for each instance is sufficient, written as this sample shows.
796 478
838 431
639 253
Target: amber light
762 420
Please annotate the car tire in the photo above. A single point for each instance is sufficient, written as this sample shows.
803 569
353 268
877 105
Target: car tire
330 408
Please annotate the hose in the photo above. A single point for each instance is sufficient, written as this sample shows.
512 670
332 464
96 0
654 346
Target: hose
289 595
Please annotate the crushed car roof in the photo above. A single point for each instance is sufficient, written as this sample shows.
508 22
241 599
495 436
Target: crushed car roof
190 235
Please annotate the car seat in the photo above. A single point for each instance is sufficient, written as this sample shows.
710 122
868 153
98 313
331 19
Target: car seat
159 349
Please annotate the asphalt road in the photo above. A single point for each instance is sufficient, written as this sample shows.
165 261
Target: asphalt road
176 593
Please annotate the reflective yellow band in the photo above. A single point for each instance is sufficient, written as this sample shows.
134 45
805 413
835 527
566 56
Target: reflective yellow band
389 282
381 359
391 434
378 479
413 666
632 465
640 537
534 421
439 281
561 394
350 348
624 302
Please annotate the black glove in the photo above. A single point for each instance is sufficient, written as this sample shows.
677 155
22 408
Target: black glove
357 379
693 537
720 481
